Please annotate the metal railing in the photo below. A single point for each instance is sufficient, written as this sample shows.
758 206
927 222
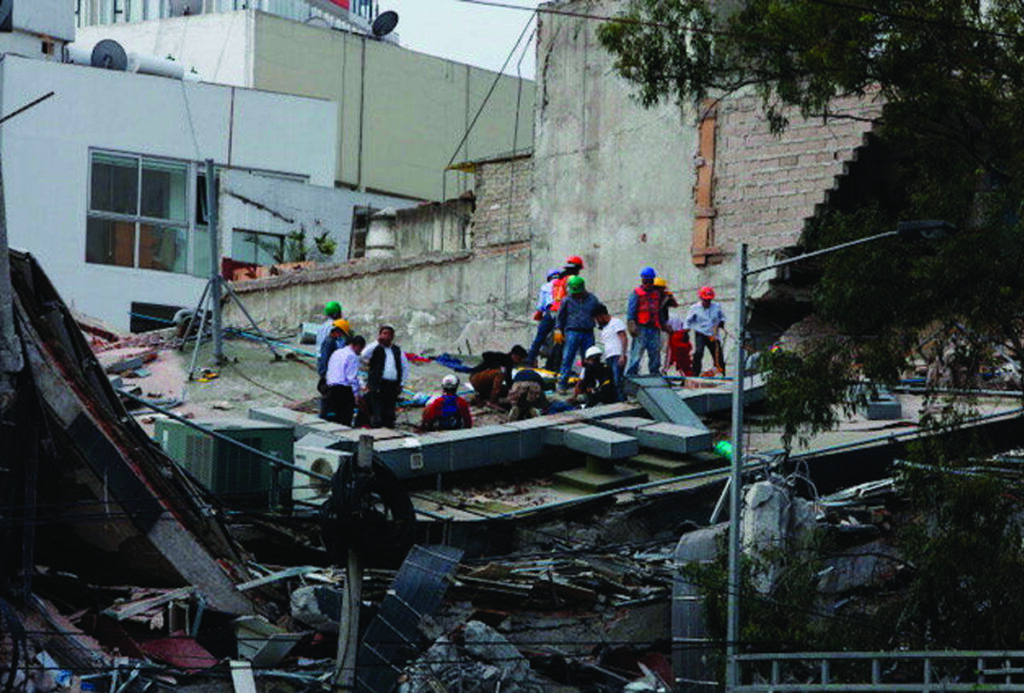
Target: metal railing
923 672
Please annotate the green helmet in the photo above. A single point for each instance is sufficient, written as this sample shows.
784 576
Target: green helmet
332 309
576 284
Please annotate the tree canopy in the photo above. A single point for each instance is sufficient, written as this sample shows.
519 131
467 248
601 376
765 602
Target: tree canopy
951 76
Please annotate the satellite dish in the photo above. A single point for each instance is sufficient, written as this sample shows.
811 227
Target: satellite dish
385 23
110 55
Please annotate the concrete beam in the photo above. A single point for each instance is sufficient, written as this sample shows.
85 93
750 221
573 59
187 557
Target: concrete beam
600 442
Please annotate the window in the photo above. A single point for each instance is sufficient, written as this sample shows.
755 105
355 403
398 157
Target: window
138 213
257 248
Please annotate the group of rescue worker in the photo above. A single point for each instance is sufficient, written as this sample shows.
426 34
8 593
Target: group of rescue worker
567 314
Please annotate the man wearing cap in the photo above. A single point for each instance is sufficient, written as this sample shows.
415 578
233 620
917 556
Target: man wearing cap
643 318
448 411
332 309
336 339
544 315
388 369
574 326
705 318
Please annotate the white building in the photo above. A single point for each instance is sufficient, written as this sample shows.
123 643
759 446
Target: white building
104 181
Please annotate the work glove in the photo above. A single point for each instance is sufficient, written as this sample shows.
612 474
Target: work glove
559 337
632 328
538 315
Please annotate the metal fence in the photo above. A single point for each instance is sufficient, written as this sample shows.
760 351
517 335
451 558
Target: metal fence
923 672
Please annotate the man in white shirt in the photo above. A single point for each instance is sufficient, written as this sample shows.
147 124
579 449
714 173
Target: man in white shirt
705 318
614 340
388 369
344 389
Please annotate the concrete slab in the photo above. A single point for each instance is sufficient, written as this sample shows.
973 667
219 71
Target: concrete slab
626 424
555 435
600 442
531 436
665 404
596 482
414 457
481 447
671 466
673 437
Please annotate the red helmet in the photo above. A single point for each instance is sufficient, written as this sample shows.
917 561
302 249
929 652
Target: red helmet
706 293
575 261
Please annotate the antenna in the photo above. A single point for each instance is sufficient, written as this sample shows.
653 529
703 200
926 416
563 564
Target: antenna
385 23
110 55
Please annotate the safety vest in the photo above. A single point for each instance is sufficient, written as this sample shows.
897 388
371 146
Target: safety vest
559 290
648 307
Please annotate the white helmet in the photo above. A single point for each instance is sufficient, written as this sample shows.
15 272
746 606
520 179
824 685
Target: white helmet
450 382
593 351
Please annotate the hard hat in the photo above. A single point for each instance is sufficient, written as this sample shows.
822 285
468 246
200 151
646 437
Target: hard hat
660 281
576 284
706 293
553 272
574 261
332 308
450 382
341 324
593 351
648 273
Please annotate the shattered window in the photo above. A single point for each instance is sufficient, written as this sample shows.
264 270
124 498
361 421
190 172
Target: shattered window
164 249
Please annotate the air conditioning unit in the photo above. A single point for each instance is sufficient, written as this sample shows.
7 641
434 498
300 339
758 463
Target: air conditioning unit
318 459
238 476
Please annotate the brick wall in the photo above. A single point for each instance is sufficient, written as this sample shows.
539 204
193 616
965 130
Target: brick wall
766 186
503 192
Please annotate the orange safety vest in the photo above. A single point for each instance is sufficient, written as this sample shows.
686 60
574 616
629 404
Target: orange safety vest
648 307
559 290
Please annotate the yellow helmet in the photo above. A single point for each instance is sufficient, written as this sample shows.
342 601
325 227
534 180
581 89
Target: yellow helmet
342 324
660 281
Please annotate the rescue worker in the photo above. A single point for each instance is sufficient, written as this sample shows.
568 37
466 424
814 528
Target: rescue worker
574 326
615 343
559 292
643 320
668 300
336 339
544 316
705 318
492 377
596 384
332 309
448 411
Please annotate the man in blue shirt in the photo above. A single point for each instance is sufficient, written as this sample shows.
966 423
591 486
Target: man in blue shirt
574 326
705 318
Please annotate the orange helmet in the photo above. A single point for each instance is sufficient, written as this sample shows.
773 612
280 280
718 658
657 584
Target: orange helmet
575 261
706 293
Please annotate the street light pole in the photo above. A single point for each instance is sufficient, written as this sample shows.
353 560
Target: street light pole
732 633
928 230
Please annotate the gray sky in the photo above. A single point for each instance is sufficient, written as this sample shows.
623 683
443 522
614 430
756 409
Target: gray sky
466 32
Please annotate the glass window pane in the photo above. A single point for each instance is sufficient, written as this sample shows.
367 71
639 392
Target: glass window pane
243 246
201 252
163 248
269 249
109 242
115 184
164 190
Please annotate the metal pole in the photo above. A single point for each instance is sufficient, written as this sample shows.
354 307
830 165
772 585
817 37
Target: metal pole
732 673
211 210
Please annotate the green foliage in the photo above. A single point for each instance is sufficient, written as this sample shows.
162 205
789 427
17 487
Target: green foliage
968 559
803 387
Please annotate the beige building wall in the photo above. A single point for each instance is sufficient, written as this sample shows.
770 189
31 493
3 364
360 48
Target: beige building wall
402 114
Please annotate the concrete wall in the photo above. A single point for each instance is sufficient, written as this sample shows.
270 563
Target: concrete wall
454 302
433 228
613 181
53 18
45 157
403 113
215 46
